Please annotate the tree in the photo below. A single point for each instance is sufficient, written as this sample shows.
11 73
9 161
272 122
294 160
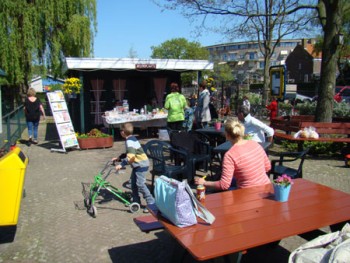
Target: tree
41 33
180 48
331 15
267 21
271 19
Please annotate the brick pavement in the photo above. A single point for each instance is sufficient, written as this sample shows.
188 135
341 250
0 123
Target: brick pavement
54 227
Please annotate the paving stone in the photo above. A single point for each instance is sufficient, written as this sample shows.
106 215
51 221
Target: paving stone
54 226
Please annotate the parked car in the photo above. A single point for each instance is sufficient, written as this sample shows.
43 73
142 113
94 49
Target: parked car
342 93
296 97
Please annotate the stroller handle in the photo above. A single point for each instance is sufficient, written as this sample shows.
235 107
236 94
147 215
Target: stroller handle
108 164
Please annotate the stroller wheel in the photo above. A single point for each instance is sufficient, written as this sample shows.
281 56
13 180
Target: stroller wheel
93 211
134 207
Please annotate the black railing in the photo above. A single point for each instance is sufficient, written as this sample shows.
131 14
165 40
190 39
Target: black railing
13 124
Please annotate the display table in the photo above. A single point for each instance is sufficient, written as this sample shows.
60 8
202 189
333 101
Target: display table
113 120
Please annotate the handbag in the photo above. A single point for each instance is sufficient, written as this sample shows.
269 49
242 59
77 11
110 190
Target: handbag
177 203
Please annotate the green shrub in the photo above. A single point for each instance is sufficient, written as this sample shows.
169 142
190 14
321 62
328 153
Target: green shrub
316 148
341 109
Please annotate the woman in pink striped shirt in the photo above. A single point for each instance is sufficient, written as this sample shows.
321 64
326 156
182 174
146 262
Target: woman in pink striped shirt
244 165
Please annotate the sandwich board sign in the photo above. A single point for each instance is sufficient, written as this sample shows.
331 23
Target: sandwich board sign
63 121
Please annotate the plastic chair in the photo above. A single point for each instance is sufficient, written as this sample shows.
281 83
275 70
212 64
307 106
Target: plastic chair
278 168
197 151
160 153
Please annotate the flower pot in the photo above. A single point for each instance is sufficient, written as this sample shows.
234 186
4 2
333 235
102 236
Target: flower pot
94 143
281 192
217 126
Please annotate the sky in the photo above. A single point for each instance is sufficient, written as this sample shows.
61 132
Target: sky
124 25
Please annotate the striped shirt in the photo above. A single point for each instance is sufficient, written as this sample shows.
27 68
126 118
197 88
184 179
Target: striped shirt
247 163
136 157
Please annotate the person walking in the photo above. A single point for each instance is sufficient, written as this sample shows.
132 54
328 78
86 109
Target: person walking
202 113
32 109
136 157
175 103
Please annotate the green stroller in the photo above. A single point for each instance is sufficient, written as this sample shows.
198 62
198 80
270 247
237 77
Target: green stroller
101 183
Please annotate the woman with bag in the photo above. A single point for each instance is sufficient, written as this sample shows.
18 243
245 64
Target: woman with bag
245 164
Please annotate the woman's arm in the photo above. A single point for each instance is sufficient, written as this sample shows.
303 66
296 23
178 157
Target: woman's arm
42 110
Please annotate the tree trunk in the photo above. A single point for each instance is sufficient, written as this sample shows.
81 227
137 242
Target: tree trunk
266 81
330 53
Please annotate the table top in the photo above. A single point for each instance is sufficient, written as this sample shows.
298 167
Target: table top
224 147
250 217
212 131
140 121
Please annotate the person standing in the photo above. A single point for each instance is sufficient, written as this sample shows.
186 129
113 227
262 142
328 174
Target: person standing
175 103
246 102
32 109
254 127
202 113
273 108
189 115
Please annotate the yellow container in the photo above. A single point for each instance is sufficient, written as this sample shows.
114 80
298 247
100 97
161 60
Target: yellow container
12 173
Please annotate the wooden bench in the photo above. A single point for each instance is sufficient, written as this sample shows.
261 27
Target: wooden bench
328 132
148 223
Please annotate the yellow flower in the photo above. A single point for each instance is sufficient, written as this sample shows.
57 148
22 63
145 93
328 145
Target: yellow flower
72 85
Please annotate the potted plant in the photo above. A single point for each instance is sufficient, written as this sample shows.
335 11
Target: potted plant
281 187
94 139
71 87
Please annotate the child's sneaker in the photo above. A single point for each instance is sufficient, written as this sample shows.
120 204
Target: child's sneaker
145 210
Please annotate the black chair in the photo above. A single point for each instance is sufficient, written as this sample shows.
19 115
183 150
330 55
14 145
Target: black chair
278 168
198 153
160 153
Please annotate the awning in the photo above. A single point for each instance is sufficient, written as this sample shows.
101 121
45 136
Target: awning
137 64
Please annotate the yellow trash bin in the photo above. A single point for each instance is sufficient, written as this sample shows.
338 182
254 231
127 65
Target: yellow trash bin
12 173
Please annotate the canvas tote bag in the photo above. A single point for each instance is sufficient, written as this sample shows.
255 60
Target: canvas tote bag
177 203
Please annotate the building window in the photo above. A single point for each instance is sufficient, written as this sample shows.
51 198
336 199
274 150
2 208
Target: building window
252 55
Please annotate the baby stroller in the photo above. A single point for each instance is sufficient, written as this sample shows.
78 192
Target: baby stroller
101 183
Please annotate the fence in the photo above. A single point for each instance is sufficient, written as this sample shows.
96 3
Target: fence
13 124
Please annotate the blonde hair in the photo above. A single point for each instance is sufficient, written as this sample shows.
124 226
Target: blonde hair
127 128
31 92
234 129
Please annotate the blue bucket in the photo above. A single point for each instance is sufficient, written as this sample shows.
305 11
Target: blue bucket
281 192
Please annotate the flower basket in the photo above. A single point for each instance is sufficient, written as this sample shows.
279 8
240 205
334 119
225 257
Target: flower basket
71 86
281 187
95 139
94 143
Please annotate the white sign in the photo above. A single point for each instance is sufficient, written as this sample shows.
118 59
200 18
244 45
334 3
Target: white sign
37 85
